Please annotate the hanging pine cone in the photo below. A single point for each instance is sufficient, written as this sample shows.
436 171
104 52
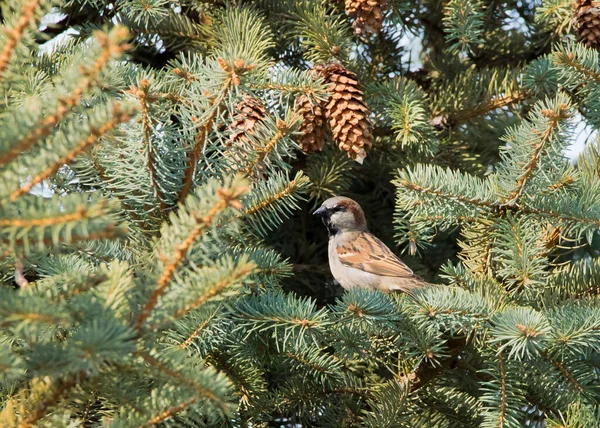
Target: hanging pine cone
346 111
367 15
312 129
587 22
248 114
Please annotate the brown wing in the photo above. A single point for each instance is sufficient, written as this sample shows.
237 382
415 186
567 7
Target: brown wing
369 254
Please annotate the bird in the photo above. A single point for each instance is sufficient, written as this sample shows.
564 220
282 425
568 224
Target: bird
357 258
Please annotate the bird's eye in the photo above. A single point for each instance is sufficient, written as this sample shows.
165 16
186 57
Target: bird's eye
338 208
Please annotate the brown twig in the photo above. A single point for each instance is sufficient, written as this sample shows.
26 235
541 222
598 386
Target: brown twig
50 401
227 197
512 198
142 93
13 35
170 412
95 134
65 105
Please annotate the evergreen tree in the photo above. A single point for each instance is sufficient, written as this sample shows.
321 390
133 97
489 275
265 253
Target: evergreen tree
159 161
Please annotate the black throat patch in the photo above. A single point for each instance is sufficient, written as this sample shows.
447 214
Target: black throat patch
331 229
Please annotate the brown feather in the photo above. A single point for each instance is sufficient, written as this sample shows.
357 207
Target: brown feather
369 254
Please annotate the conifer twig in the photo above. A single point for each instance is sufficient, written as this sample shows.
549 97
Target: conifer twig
51 400
460 198
145 98
483 108
204 130
171 411
563 371
182 378
95 134
226 198
79 214
268 148
187 342
111 232
110 49
291 186
502 372
13 35
215 290
570 60
512 198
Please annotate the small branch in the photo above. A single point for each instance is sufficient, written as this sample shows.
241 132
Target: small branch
79 214
204 130
188 341
13 35
50 401
570 60
201 390
145 98
45 125
307 363
227 197
270 200
501 370
512 198
444 120
95 134
218 288
263 152
170 412
566 373
111 232
460 198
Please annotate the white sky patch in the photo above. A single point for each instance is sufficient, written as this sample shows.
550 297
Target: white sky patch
582 134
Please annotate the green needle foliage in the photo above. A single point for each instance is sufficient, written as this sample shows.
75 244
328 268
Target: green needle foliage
159 265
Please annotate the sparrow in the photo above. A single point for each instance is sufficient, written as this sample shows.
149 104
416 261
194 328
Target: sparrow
358 259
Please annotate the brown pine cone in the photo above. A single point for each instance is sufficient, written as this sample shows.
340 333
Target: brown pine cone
248 114
587 22
312 129
346 111
367 15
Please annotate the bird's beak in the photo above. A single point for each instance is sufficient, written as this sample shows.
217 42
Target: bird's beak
320 212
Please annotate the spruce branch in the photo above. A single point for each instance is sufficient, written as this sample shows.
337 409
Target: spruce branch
463 22
200 140
574 57
486 107
529 144
564 372
226 198
62 387
183 379
146 98
194 334
113 46
169 413
75 218
13 35
237 275
282 130
272 201
119 117
111 233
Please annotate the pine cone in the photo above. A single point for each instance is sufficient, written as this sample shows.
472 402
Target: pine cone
346 111
249 113
587 22
367 15
312 128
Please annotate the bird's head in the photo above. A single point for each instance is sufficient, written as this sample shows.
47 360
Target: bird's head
341 214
